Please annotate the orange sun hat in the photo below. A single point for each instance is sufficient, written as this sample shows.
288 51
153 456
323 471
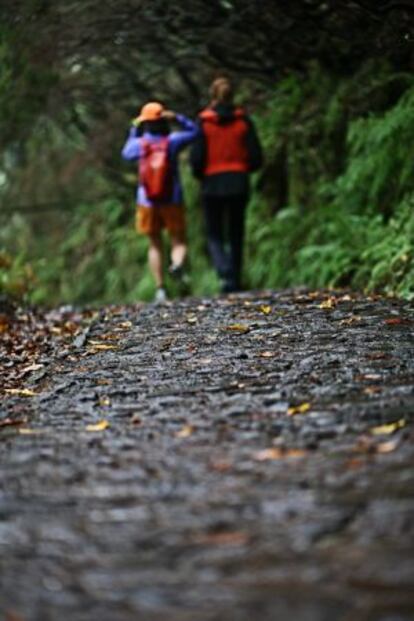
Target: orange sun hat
152 111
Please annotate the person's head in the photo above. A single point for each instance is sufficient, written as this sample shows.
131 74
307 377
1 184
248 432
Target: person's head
151 119
221 91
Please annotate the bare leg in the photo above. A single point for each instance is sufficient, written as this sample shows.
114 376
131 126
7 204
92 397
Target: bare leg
178 250
155 258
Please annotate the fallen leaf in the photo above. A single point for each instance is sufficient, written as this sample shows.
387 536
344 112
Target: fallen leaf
372 390
32 367
192 319
238 327
387 429
265 309
397 321
327 304
100 426
23 392
7 422
299 409
350 320
377 355
220 466
26 431
370 376
387 447
125 325
277 453
234 538
267 354
354 463
101 346
185 432
104 401
12 616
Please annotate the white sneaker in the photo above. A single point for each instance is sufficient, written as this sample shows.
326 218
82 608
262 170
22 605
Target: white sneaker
160 296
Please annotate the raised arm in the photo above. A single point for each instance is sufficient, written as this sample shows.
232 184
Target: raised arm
187 134
131 150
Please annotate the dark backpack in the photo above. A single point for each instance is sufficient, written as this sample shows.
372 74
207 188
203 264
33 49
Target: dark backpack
155 172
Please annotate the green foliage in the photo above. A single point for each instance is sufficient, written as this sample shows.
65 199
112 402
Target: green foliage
333 205
350 220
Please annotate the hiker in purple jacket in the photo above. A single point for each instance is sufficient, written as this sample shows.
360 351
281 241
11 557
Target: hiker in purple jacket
151 130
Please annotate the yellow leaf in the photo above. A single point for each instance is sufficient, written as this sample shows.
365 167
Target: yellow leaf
329 303
299 409
184 432
192 318
266 309
23 392
386 429
238 327
102 346
25 431
105 401
101 426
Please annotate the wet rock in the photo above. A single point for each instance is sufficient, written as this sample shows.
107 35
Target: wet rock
166 511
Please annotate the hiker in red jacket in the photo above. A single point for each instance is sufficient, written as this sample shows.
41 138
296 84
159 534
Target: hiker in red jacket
224 154
159 194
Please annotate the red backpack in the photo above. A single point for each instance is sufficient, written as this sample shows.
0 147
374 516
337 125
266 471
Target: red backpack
155 172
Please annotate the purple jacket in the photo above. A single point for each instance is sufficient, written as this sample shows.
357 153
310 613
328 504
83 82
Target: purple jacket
176 141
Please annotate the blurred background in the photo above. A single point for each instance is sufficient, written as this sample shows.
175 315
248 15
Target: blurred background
330 86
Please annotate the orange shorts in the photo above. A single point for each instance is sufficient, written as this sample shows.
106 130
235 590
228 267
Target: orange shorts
152 220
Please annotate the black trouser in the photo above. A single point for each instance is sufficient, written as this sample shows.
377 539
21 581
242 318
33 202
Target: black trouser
224 218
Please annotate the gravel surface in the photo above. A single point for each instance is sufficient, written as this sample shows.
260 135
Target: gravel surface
212 460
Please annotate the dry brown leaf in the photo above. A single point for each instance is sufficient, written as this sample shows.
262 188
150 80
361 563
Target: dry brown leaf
125 325
277 453
350 320
7 422
372 390
234 538
220 466
397 321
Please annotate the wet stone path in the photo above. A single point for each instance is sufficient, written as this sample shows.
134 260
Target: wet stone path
238 458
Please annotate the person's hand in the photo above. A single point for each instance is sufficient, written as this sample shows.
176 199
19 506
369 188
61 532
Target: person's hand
168 115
